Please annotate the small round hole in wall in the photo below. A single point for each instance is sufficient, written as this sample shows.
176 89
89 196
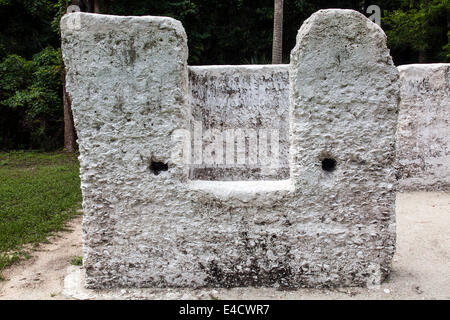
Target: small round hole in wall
328 165
156 167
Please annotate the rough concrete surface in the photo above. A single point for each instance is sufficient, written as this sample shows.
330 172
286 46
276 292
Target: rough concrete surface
423 143
421 265
344 95
423 135
147 225
128 80
244 97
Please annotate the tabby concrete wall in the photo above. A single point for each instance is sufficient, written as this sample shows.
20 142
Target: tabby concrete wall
423 135
257 97
147 224
250 98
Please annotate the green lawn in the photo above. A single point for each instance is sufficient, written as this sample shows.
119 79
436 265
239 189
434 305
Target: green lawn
39 193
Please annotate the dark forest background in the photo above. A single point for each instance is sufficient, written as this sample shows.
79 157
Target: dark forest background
219 32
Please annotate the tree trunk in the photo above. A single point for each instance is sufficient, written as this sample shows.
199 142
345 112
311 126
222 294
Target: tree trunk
421 56
448 28
69 128
277 48
86 5
98 6
70 137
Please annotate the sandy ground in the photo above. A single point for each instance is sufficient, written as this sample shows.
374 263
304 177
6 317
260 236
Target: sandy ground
41 276
421 266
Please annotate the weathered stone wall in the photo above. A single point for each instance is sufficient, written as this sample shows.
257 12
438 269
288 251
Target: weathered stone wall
254 97
128 80
423 150
344 101
146 224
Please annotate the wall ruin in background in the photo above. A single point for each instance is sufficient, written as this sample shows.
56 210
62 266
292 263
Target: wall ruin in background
424 128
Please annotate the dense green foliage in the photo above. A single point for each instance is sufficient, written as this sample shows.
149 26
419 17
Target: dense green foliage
39 192
219 32
30 97
420 27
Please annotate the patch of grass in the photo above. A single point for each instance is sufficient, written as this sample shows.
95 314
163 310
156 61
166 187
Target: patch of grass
76 261
23 159
39 193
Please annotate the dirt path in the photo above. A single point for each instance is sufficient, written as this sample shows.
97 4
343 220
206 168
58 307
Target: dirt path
421 266
42 276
